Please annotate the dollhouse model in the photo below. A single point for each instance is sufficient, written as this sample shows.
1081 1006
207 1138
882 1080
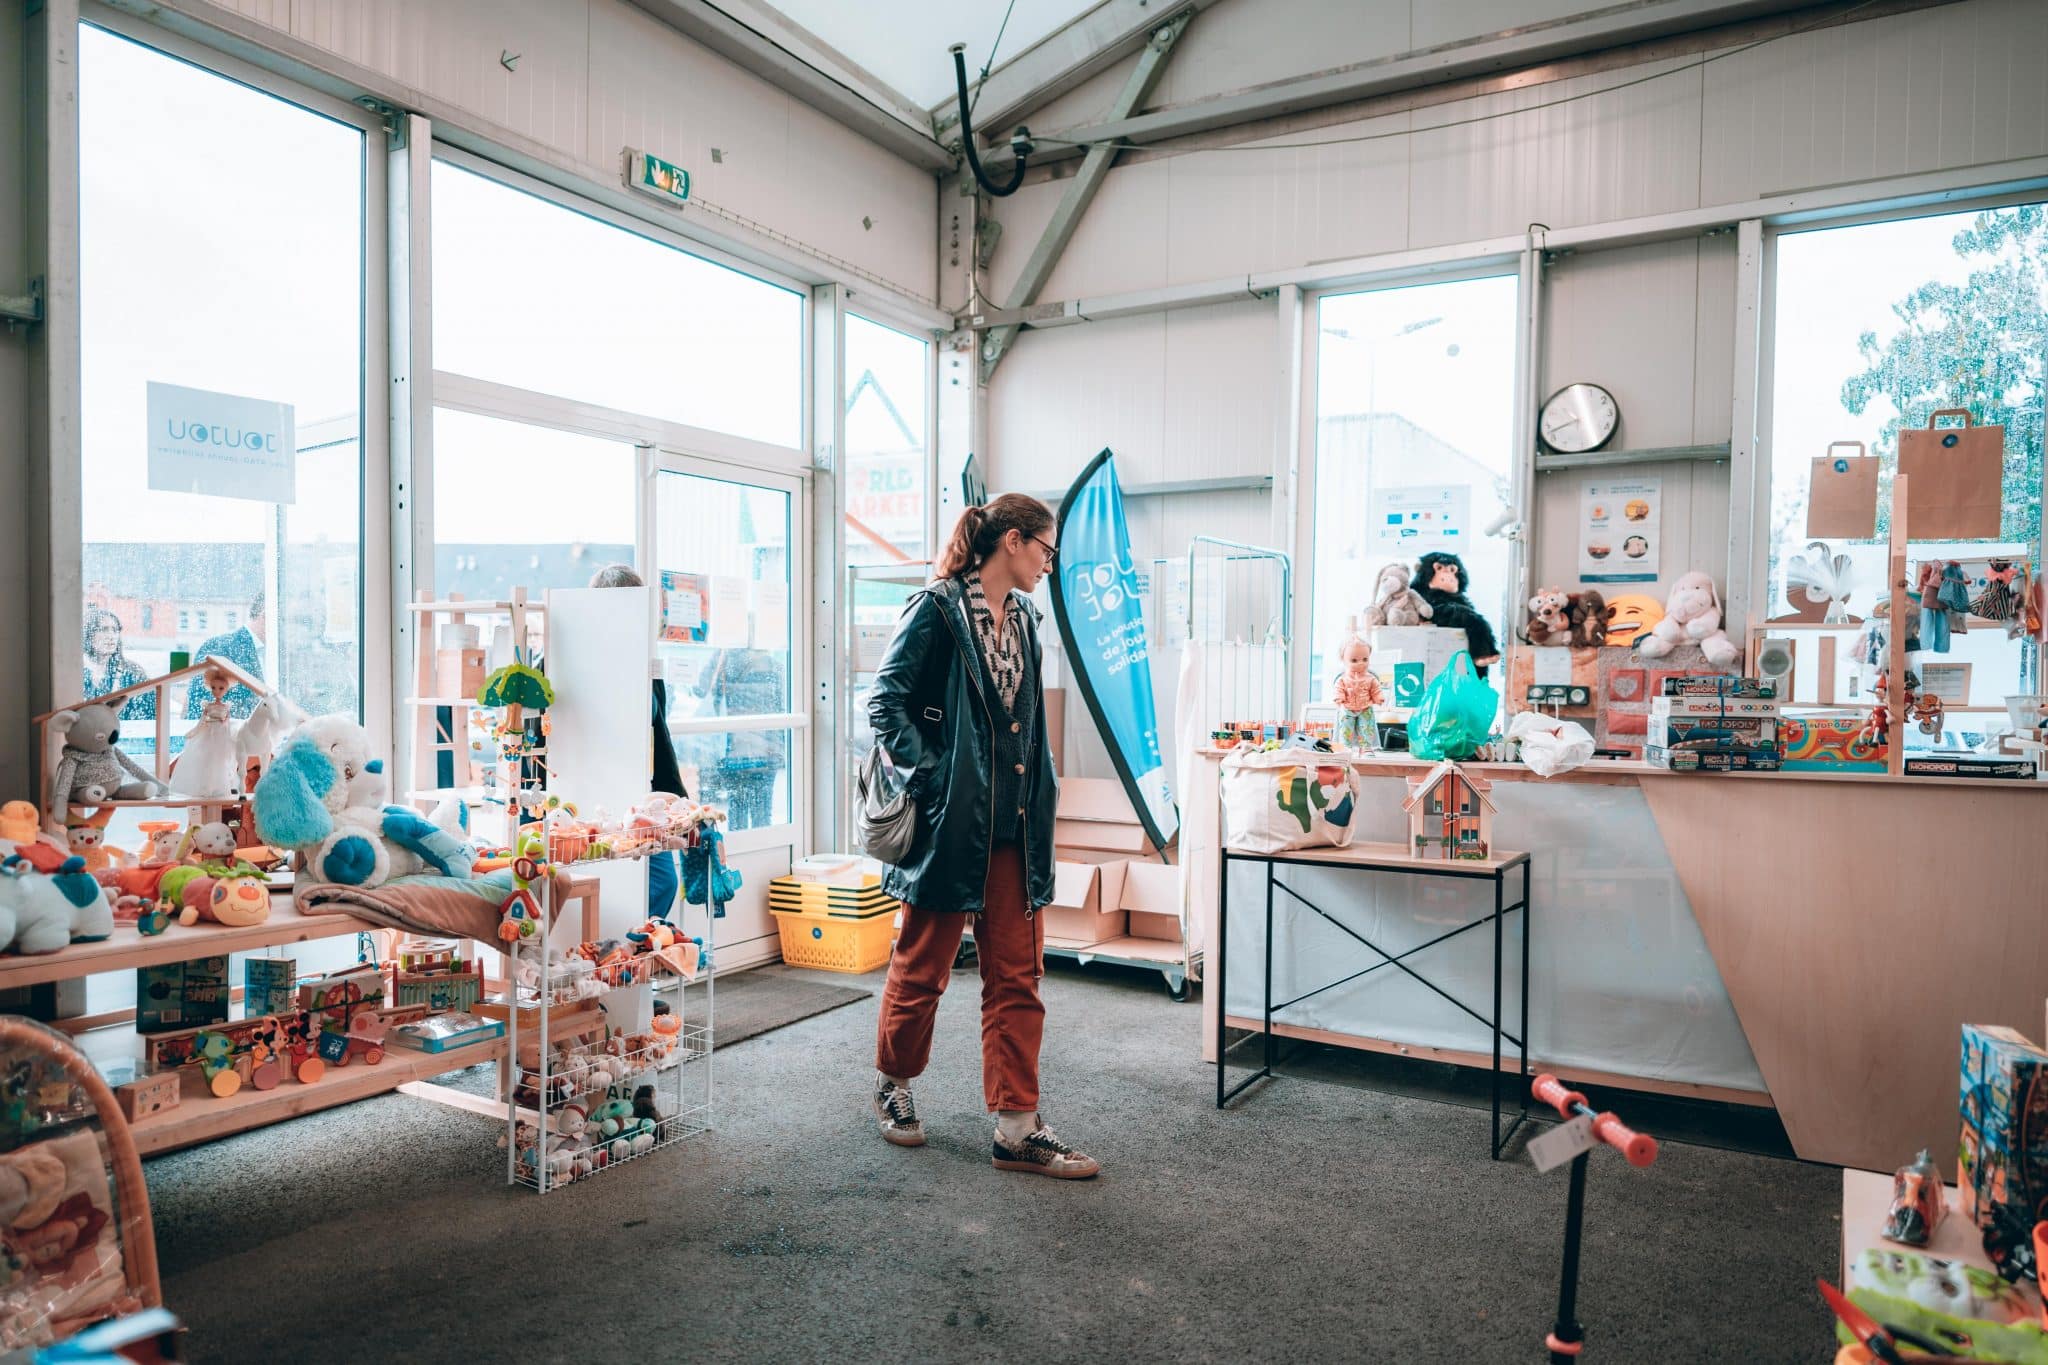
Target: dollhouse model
1449 813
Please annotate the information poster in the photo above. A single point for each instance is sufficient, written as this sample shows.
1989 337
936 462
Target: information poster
685 606
1620 527
1413 520
728 612
771 615
221 444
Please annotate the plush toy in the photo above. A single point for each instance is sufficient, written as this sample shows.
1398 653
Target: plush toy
93 766
1394 603
323 796
1691 612
1550 617
1441 581
210 842
19 821
236 901
1588 614
42 912
86 835
258 736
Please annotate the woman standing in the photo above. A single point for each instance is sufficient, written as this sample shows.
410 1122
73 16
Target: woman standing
107 669
958 706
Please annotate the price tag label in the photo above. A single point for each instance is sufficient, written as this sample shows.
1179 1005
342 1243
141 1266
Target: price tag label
1562 1143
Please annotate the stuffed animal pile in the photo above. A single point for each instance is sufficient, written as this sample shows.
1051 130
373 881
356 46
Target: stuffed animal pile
324 797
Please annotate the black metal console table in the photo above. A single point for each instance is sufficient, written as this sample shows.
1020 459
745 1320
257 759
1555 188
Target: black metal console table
1387 858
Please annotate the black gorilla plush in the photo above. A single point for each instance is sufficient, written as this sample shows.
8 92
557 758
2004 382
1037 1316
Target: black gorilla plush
1454 610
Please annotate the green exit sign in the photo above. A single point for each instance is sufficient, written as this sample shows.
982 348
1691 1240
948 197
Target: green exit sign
662 179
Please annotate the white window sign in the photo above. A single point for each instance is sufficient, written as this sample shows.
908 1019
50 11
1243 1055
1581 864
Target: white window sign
221 444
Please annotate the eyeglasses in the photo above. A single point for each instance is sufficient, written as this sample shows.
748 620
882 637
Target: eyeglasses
1051 551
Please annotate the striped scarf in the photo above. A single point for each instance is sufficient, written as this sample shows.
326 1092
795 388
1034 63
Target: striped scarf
1002 651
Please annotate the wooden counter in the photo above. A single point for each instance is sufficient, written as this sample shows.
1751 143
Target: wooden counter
1856 920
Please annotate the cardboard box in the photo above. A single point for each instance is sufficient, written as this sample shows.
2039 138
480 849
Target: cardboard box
268 984
1720 732
1965 765
1127 841
1086 904
1713 706
2002 1156
148 1095
181 995
1152 900
1095 798
458 672
1713 760
1719 685
1828 744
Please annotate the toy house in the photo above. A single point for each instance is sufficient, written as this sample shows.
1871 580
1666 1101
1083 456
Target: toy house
1449 813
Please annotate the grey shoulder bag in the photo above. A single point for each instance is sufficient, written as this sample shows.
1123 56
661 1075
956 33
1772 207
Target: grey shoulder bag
885 820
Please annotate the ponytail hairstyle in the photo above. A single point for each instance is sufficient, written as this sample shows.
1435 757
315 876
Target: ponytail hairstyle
981 529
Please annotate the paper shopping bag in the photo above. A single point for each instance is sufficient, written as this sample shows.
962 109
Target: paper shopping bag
1843 502
1953 478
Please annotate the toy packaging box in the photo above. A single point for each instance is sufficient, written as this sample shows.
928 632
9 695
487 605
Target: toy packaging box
1828 744
269 984
177 995
1698 705
2002 1157
1733 759
1720 685
1720 732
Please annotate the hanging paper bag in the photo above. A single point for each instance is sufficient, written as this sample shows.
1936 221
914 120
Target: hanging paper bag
1954 476
1843 498
1456 714
1291 797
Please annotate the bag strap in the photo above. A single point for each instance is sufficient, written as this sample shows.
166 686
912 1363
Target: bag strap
1861 449
1963 413
1464 657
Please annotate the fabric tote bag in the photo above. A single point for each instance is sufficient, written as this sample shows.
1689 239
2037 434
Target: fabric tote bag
1953 477
1287 798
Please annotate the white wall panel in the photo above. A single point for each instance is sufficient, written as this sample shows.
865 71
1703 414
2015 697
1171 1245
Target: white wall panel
1951 86
451 50
1622 153
1446 21
1242 43
1184 395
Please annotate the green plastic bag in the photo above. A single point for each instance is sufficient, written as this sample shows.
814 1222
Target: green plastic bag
1456 713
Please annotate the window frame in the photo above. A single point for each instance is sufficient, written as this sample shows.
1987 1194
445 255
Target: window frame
877 313
374 584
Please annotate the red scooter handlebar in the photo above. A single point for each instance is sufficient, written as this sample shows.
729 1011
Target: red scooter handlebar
1639 1148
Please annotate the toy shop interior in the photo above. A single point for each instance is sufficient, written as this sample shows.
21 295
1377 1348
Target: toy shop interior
1496 548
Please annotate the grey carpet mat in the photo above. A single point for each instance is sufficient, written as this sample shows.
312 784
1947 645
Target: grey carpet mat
1312 1223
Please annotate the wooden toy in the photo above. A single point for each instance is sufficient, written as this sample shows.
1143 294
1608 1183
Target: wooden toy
148 1095
1449 813
216 1058
364 1039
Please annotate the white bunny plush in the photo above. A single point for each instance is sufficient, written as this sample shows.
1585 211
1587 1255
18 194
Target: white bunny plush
1692 612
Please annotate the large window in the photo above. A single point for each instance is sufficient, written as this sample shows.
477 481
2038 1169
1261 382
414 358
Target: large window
520 506
1414 446
1878 326
533 295
222 295
886 459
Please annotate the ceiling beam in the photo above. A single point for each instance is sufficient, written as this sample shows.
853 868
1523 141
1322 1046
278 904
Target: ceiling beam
790 59
1080 191
1063 59
1612 26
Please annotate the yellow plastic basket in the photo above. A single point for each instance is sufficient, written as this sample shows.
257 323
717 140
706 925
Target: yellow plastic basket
835 945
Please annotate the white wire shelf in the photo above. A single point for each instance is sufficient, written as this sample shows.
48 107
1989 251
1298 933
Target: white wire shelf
692 1045
679 1127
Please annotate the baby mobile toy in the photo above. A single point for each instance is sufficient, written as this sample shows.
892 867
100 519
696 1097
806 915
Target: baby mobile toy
1357 691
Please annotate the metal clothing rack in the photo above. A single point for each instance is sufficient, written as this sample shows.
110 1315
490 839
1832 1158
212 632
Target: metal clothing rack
1380 858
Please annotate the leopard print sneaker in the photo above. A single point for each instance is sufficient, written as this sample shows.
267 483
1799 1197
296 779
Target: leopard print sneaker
897 1112
1042 1153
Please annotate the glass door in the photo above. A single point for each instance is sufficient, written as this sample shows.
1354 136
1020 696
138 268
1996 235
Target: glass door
728 556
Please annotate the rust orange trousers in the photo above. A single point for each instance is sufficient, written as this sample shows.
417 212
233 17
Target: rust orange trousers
1008 943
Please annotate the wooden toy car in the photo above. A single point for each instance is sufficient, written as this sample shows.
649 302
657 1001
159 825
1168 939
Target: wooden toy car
147 1095
364 1039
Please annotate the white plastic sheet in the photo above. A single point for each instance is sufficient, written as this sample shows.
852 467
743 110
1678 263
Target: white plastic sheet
1549 744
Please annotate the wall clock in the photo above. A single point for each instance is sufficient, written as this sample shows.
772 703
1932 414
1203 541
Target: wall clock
1578 418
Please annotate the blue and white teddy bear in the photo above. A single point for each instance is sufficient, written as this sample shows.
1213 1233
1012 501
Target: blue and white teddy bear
41 912
326 798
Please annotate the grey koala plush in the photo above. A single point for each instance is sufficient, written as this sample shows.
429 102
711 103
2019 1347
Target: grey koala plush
93 767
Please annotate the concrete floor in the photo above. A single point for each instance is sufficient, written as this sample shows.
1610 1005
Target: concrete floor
1318 1222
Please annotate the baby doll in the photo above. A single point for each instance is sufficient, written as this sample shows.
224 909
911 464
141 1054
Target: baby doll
1357 691
1394 603
1441 580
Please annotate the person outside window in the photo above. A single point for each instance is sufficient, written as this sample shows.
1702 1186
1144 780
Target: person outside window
959 707
107 669
667 775
747 682
242 647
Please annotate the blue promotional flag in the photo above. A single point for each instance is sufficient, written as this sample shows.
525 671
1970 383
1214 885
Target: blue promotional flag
1095 600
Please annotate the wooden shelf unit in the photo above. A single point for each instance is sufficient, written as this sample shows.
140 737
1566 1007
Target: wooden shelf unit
128 948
